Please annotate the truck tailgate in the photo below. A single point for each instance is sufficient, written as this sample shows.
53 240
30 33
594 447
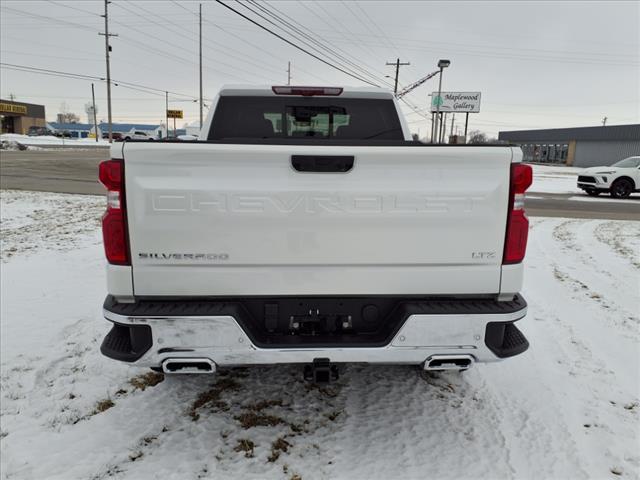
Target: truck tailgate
224 220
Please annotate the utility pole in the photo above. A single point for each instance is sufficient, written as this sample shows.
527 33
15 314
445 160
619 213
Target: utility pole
95 120
453 119
604 122
288 73
107 52
166 114
466 125
397 65
201 104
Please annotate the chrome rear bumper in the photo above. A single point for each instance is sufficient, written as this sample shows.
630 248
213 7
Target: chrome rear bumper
222 340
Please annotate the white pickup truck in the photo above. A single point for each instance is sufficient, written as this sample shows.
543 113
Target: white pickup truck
304 226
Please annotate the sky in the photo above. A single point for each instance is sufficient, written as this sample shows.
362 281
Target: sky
537 64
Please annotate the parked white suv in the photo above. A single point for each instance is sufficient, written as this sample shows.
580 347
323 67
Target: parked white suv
137 135
620 179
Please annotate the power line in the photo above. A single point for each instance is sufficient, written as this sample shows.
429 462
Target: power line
303 31
376 26
363 46
251 44
341 64
90 77
60 4
333 29
294 45
174 46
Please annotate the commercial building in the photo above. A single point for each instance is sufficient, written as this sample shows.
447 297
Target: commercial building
17 117
73 130
580 147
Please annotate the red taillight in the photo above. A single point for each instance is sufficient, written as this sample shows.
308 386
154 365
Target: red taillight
307 91
114 222
515 244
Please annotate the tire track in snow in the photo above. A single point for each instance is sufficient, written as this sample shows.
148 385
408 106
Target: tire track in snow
417 425
610 234
563 330
575 240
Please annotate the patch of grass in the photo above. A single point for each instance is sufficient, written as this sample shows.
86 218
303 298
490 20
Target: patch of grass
246 446
263 404
135 456
103 405
333 415
212 397
296 428
278 446
253 419
295 476
149 379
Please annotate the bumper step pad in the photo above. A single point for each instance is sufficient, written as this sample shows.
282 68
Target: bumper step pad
127 342
505 339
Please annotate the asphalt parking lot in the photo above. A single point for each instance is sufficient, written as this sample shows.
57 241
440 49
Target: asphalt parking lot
76 171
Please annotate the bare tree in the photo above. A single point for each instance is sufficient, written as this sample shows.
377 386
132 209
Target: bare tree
476 136
65 116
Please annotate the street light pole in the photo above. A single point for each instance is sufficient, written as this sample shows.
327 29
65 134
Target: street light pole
442 64
200 11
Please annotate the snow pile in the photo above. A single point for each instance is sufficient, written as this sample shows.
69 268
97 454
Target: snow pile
51 141
567 408
555 179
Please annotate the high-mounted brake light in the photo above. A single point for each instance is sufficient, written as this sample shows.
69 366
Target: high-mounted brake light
114 225
515 244
307 91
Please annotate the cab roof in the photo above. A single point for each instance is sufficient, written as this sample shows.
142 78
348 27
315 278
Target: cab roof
267 91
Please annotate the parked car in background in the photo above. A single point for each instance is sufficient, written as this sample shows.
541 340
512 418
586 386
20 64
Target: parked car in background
35 131
116 136
137 135
620 179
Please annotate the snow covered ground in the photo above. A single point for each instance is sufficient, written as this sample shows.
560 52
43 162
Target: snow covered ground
567 408
555 179
51 141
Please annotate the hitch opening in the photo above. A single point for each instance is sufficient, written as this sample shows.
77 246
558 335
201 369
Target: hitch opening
321 371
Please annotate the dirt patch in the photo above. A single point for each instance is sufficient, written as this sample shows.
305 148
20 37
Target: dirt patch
254 419
264 404
246 446
103 406
277 447
211 398
149 379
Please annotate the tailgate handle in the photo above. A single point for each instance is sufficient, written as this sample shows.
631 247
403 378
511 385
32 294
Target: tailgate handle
322 163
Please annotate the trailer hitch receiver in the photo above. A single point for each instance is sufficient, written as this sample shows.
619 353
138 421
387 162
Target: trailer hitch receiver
321 371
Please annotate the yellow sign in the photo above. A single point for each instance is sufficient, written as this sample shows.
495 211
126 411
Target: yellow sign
174 113
20 109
